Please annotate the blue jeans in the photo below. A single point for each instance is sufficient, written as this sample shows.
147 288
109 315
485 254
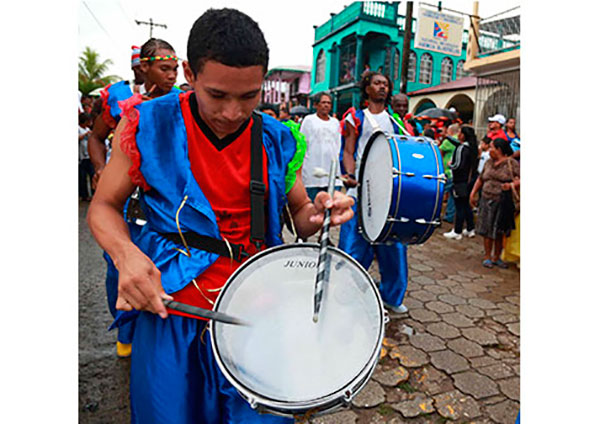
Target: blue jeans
450 208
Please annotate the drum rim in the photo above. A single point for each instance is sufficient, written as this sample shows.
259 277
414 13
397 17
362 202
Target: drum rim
257 400
361 222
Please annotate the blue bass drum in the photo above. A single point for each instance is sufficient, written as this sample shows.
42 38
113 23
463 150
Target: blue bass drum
401 187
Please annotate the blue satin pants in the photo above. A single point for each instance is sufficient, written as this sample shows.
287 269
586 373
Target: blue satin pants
176 380
392 260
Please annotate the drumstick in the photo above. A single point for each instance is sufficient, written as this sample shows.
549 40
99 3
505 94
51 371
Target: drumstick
203 313
324 261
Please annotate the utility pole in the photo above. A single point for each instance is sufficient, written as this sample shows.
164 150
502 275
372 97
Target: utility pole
152 24
406 46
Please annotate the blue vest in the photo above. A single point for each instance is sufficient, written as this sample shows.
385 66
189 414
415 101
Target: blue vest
118 92
162 141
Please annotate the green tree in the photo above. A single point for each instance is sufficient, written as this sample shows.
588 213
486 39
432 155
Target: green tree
92 70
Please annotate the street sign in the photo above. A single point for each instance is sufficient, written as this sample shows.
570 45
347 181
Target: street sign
439 32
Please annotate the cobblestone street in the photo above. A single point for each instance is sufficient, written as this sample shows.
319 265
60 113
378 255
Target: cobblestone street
461 364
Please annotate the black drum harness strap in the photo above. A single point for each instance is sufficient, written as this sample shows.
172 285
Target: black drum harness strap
257 207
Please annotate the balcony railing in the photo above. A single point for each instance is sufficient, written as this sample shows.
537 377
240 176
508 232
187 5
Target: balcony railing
373 10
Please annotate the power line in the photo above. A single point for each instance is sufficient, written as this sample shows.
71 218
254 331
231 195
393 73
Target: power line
98 22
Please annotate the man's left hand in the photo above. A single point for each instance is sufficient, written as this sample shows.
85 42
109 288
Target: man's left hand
341 208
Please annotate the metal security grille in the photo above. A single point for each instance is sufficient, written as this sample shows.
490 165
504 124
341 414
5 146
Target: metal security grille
497 93
501 32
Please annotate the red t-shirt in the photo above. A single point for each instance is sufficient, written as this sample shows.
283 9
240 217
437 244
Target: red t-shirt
222 170
496 134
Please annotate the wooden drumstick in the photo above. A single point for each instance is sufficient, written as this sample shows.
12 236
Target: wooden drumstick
324 261
203 313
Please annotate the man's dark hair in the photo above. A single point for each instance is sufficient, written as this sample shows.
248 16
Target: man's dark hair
83 118
486 140
503 145
150 47
429 133
268 106
320 95
227 36
366 81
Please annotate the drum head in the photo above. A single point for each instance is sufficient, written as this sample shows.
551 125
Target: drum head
284 356
376 183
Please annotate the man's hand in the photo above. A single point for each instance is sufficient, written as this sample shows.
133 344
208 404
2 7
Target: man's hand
349 180
96 177
140 284
472 200
341 208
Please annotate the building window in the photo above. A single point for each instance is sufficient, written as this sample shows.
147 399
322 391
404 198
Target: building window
460 70
412 66
446 75
320 72
347 62
425 68
397 65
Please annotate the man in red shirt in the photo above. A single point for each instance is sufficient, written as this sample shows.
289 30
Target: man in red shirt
495 124
190 154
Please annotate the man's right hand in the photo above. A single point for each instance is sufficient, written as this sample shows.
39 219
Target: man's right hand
140 284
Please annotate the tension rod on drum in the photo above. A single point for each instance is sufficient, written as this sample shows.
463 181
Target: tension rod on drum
441 177
324 262
408 174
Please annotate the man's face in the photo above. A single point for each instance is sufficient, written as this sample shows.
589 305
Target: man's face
160 73
226 95
378 89
493 126
400 106
324 106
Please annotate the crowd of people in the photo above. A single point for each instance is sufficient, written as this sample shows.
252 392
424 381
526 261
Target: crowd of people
177 219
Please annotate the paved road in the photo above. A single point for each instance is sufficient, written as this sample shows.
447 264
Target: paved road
460 365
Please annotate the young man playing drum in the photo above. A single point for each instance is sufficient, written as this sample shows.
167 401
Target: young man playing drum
206 184
358 128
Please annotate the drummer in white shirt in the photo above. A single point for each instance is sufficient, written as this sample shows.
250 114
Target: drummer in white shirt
323 144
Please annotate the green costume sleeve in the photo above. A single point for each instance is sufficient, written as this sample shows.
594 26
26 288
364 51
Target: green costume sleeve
298 159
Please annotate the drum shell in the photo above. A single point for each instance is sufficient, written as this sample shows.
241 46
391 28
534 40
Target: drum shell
416 201
323 404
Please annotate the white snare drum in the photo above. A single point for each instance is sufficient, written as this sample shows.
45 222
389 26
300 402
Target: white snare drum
284 363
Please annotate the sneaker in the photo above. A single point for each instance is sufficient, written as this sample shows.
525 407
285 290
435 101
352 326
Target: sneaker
469 234
452 235
397 309
501 264
123 350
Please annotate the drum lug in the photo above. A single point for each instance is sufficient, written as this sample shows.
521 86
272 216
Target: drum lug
253 403
348 396
386 317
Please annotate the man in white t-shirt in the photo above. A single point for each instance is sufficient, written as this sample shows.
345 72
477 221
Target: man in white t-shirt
358 128
323 144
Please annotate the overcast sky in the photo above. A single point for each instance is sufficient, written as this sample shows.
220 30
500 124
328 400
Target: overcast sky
108 26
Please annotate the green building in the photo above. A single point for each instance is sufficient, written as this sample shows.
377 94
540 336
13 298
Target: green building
370 35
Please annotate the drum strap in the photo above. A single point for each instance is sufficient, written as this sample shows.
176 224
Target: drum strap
257 186
210 244
257 207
